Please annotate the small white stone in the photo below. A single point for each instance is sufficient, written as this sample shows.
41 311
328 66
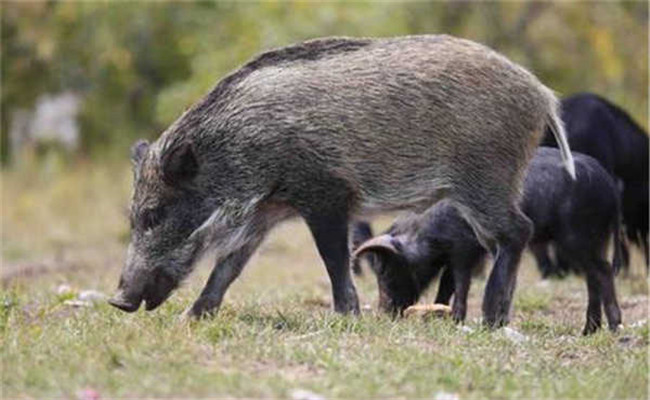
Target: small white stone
91 296
302 394
77 303
639 324
466 329
514 336
63 289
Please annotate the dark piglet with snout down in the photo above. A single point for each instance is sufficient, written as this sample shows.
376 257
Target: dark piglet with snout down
329 130
578 217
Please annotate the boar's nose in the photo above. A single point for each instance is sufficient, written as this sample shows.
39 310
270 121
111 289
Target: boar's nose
124 304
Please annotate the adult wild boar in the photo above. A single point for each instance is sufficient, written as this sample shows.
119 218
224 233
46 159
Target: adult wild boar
578 217
328 130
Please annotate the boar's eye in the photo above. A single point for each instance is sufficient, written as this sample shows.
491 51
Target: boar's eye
151 218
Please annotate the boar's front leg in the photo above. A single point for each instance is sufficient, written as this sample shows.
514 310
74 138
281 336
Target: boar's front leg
330 232
223 274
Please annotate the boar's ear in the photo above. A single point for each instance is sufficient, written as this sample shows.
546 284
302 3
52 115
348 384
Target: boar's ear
138 150
179 164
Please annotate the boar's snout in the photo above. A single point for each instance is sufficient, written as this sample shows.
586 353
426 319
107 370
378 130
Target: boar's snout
152 287
124 303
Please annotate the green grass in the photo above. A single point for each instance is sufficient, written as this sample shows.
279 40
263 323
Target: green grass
275 332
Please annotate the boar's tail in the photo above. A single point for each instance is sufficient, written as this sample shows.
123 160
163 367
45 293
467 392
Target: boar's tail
557 127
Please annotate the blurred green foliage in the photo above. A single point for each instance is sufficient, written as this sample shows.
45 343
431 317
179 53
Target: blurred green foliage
137 66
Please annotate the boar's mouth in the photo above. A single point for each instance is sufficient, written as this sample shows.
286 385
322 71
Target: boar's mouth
159 290
154 300
152 304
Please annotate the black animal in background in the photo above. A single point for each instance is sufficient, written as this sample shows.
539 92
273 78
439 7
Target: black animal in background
604 131
577 217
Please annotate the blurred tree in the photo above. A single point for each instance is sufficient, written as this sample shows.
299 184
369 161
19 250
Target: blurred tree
117 57
137 66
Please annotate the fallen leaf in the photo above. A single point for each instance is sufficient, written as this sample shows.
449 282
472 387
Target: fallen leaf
428 310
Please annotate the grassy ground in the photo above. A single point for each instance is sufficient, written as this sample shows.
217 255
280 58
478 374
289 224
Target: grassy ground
276 332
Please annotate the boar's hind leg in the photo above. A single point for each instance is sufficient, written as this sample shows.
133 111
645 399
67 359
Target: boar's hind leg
498 221
223 274
330 231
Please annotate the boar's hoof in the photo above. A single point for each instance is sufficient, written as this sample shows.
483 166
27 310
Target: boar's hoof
203 307
495 323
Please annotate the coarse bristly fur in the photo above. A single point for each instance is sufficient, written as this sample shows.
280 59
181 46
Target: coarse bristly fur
577 217
329 129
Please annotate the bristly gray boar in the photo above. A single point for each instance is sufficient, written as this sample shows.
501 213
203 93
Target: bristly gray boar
328 130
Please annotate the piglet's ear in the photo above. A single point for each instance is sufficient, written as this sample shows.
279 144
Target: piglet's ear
179 164
138 151
380 244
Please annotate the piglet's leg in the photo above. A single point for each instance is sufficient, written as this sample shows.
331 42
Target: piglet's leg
462 278
445 287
